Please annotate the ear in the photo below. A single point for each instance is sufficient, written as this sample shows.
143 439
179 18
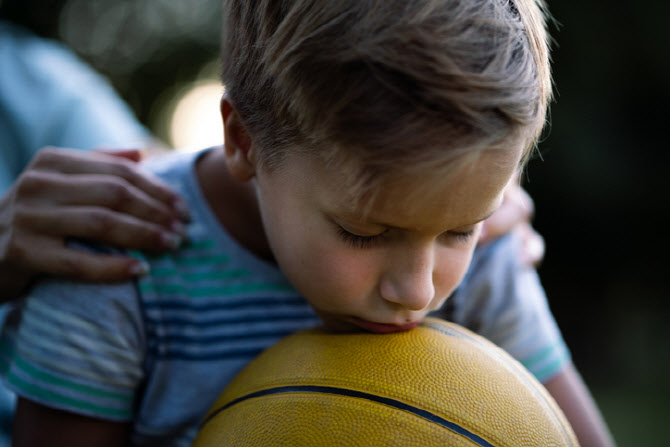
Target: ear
237 147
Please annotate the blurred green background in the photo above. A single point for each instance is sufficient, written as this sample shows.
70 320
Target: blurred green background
600 193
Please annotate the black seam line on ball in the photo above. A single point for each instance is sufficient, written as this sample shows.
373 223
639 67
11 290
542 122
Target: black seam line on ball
361 395
446 330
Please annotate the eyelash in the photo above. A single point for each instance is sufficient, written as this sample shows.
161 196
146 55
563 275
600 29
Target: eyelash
462 236
357 241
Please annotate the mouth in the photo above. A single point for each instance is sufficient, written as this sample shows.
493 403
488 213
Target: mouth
383 328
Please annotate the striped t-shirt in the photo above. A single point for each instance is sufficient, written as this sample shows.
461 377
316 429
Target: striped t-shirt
159 351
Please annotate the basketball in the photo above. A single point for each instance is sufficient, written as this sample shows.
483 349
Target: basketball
435 385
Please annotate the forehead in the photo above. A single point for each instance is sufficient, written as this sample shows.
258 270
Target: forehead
458 194
459 198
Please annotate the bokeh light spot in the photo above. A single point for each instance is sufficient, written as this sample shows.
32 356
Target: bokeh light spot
196 121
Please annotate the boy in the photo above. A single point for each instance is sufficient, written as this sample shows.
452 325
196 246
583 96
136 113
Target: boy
365 143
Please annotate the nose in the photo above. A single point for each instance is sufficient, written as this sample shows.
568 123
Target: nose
408 280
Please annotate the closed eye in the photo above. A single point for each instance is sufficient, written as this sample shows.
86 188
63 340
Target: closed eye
358 241
462 236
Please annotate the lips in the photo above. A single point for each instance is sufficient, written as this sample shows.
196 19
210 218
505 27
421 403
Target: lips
383 328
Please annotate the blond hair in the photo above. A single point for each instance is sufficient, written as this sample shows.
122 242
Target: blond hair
391 83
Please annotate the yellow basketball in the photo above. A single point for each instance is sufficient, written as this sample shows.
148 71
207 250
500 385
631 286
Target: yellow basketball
436 385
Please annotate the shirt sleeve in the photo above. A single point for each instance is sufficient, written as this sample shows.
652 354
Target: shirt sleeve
504 301
76 347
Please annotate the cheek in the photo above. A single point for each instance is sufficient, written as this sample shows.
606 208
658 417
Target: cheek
329 277
451 268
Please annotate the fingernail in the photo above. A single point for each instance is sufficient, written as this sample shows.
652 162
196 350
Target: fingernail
178 228
182 209
139 268
171 240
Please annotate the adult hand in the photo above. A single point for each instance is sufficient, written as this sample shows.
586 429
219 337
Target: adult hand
66 193
514 215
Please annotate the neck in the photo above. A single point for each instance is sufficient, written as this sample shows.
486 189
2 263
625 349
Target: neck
233 203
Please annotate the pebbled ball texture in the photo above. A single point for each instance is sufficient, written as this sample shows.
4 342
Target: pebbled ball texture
436 385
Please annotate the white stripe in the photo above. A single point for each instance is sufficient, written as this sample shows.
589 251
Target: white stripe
45 343
54 313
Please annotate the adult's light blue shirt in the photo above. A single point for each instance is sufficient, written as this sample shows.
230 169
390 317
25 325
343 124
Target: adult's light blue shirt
48 96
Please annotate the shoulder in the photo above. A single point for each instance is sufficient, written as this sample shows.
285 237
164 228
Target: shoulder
178 170
499 254
74 312
173 164
493 271
496 283
504 301
77 347
62 301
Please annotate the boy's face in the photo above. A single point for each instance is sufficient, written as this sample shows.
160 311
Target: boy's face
385 272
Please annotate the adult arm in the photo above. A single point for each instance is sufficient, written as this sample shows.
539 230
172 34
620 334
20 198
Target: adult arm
88 195
572 395
36 425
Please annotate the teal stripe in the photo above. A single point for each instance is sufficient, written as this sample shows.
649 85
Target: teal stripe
45 395
6 348
553 367
199 292
548 370
91 391
540 357
535 361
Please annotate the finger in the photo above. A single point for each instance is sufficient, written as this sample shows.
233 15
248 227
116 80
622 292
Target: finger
517 208
129 154
96 267
101 225
156 188
44 254
532 247
503 221
69 161
73 161
88 266
516 194
46 189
